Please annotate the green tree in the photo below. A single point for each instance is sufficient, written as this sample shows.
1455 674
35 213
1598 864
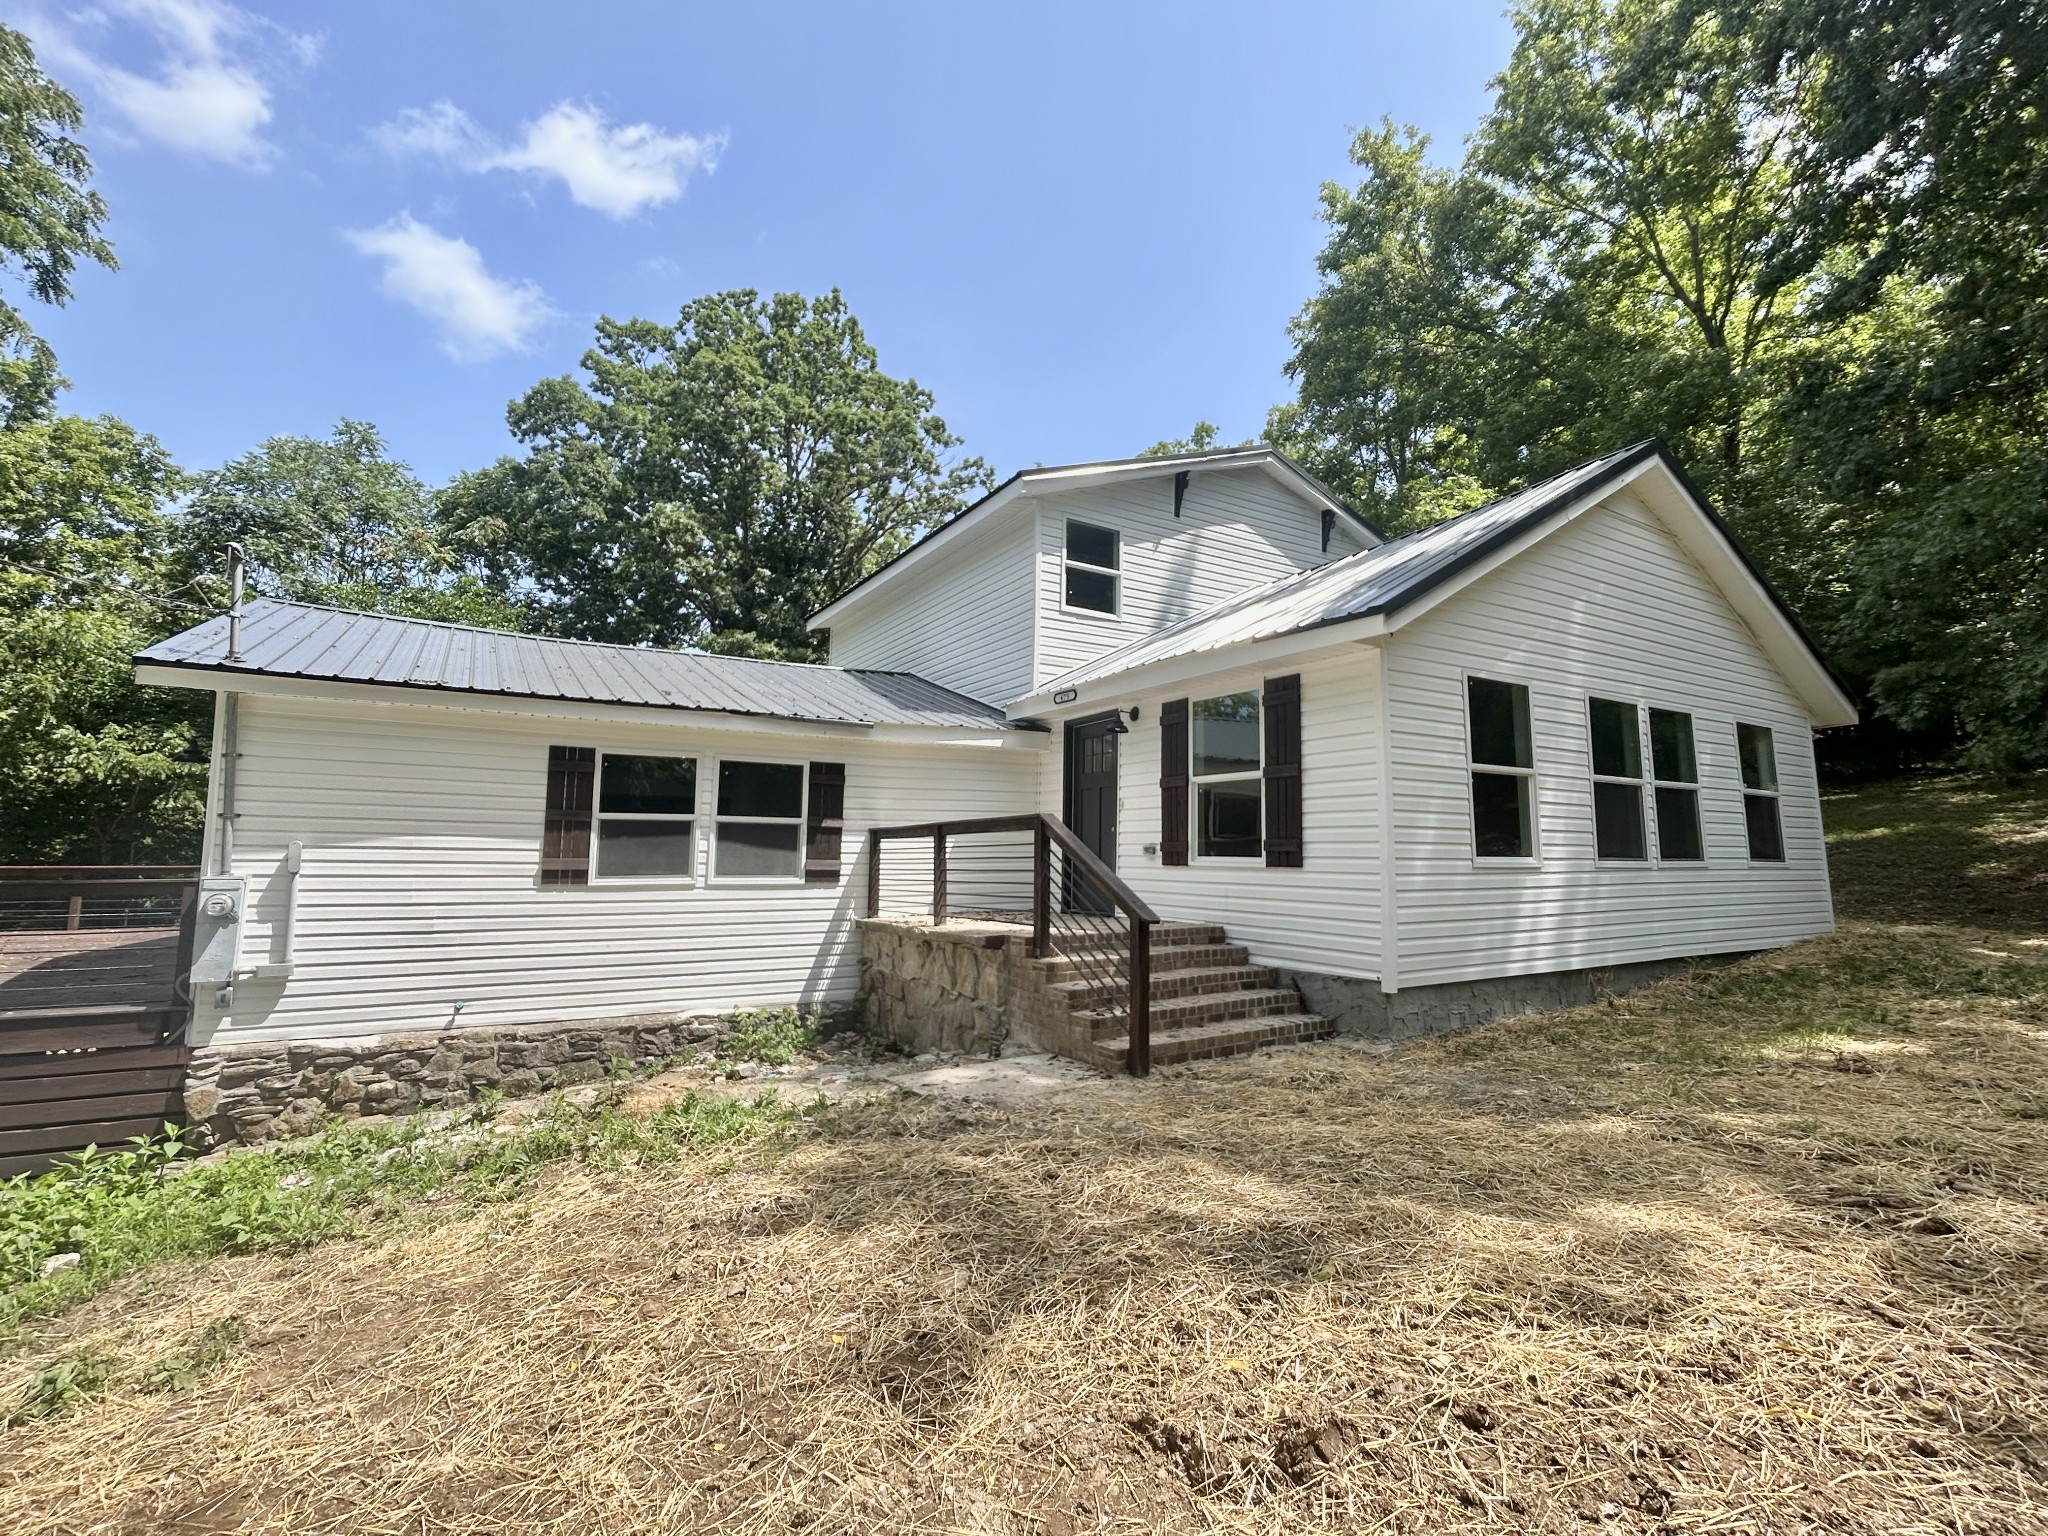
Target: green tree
92 764
335 520
1598 270
1393 351
1202 439
49 218
1924 428
714 481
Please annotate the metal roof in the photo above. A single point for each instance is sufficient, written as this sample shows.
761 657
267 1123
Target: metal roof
1374 581
300 640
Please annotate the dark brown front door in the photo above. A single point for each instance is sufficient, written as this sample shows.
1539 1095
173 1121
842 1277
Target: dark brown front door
1091 801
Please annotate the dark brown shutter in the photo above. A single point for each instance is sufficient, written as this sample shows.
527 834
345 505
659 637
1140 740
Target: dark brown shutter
1173 782
1281 705
825 823
565 844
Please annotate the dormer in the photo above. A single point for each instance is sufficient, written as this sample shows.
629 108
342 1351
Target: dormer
1059 565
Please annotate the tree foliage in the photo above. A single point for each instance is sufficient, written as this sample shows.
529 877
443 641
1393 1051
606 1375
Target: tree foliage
335 520
90 761
1799 242
714 481
49 218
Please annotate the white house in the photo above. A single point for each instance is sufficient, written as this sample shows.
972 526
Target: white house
1419 781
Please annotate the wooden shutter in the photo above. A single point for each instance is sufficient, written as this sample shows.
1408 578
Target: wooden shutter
825 823
565 843
1280 702
1173 782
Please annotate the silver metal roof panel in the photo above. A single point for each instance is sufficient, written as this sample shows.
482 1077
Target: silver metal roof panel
282 639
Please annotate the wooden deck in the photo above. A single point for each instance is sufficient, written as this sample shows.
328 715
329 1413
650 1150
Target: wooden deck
92 1011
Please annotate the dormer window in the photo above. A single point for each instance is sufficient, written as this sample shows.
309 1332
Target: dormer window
1091 567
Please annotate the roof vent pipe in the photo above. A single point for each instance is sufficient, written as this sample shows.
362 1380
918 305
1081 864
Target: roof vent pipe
235 602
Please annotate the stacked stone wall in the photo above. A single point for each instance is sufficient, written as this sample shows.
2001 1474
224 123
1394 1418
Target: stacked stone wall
951 989
255 1091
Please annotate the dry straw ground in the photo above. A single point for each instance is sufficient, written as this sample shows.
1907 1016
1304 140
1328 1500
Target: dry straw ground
1757 1250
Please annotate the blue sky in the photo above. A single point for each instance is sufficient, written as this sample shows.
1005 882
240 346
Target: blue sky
1082 226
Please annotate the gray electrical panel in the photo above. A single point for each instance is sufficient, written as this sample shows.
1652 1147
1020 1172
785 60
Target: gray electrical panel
217 930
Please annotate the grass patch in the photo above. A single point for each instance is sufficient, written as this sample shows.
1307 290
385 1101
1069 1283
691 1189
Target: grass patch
122 1209
771 1037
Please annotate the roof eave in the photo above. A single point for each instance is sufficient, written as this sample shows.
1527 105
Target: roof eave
220 677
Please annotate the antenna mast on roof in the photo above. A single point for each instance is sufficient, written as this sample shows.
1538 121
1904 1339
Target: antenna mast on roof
234 602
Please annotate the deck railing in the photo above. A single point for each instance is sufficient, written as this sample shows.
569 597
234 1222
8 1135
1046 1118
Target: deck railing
1031 869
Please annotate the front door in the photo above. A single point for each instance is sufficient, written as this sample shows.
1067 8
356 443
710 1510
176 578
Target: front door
1091 801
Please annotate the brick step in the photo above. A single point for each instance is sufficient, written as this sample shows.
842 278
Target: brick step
1174 957
1208 1008
1202 1042
1187 982
1116 940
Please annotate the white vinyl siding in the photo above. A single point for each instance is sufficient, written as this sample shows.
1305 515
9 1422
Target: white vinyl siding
1238 528
1610 606
1323 917
422 829
964 621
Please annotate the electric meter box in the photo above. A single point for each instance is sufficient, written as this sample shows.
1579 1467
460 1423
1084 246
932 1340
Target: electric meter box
217 929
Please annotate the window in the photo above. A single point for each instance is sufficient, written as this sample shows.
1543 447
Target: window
1503 766
646 817
1760 793
1091 567
1675 770
1229 812
760 820
1617 736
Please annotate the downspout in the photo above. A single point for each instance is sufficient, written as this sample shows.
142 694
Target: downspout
1390 912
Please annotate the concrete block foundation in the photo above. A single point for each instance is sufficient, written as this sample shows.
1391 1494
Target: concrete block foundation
1359 1008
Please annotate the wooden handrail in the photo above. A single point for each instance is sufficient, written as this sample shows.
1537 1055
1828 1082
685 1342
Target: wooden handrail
1059 832
1046 831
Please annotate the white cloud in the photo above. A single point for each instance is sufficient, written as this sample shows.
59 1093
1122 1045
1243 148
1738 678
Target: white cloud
619 171
479 315
209 93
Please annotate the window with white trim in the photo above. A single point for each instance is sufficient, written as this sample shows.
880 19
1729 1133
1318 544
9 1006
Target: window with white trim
1675 787
1501 758
760 820
1092 565
1228 776
646 817
1760 810
1615 731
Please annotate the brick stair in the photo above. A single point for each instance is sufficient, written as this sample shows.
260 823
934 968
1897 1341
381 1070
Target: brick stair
1208 1000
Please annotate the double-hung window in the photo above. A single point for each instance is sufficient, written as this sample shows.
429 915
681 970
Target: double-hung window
760 820
646 817
1091 567
1503 767
1760 793
1229 804
1676 778
1616 733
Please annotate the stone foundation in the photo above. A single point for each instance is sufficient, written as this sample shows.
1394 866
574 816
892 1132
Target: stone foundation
955 988
256 1091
